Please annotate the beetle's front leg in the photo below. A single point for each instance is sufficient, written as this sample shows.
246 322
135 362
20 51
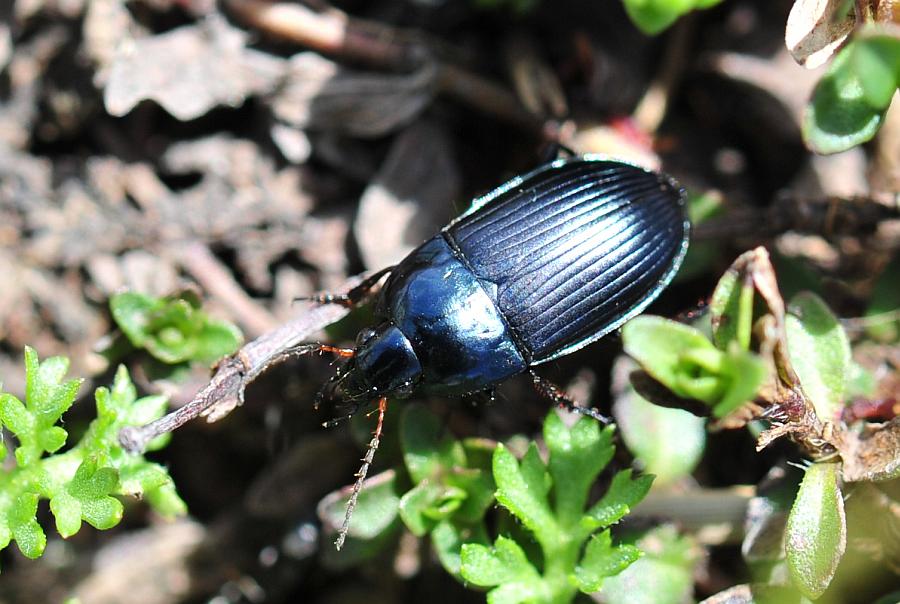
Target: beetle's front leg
356 296
551 391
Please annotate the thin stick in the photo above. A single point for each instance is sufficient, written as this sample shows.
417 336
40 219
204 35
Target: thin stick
225 390
361 475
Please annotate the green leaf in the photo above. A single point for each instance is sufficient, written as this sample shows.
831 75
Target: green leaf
502 564
90 491
663 574
601 560
875 58
668 443
816 533
142 476
22 524
744 373
414 507
731 310
819 352
80 482
653 16
5 530
173 329
376 509
448 538
849 102
165 500
687 363
622 495
577 456
428 448
215 340
52 439
15 416
523 491
131 312
46 400
67 511
677 355
478 486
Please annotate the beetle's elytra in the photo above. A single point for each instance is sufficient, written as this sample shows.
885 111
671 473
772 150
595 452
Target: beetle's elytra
538 268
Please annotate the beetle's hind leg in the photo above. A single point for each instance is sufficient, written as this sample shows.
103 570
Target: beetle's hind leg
551 391
356 296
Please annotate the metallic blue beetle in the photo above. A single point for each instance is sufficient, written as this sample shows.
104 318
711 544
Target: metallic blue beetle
538 268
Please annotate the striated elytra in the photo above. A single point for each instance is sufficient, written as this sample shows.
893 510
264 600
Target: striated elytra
536 269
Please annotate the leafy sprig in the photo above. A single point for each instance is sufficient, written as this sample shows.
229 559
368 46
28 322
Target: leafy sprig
549 499
84 482
454 484
173 329
718 370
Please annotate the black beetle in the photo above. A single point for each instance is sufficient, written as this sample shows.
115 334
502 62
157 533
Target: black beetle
536 269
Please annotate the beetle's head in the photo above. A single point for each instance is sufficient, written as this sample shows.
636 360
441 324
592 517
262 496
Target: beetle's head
384 364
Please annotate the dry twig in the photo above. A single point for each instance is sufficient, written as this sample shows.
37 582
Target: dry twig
225 390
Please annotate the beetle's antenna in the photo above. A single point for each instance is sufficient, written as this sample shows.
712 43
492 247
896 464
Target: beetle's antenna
361 475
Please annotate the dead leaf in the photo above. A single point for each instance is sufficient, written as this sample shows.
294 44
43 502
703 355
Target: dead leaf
873 455
107 25
816 28
410 198
321 95
190 70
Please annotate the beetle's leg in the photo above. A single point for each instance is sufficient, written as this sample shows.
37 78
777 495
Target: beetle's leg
551 391
359 294
341 418
307 348
553 150
361 475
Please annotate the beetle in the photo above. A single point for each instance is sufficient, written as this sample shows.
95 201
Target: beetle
538 268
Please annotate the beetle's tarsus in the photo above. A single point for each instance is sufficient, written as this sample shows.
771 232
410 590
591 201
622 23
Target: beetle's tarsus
356 296
361 474
551 391
588 412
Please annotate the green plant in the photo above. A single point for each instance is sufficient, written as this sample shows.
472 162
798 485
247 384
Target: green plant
653 16
665 573
455 483
83 482
849 103
549 500
717 369
792 366
173 329
453 488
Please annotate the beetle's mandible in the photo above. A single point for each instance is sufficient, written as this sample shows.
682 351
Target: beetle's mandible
538 268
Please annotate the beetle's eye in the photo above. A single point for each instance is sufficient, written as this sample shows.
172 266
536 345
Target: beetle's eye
364 337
